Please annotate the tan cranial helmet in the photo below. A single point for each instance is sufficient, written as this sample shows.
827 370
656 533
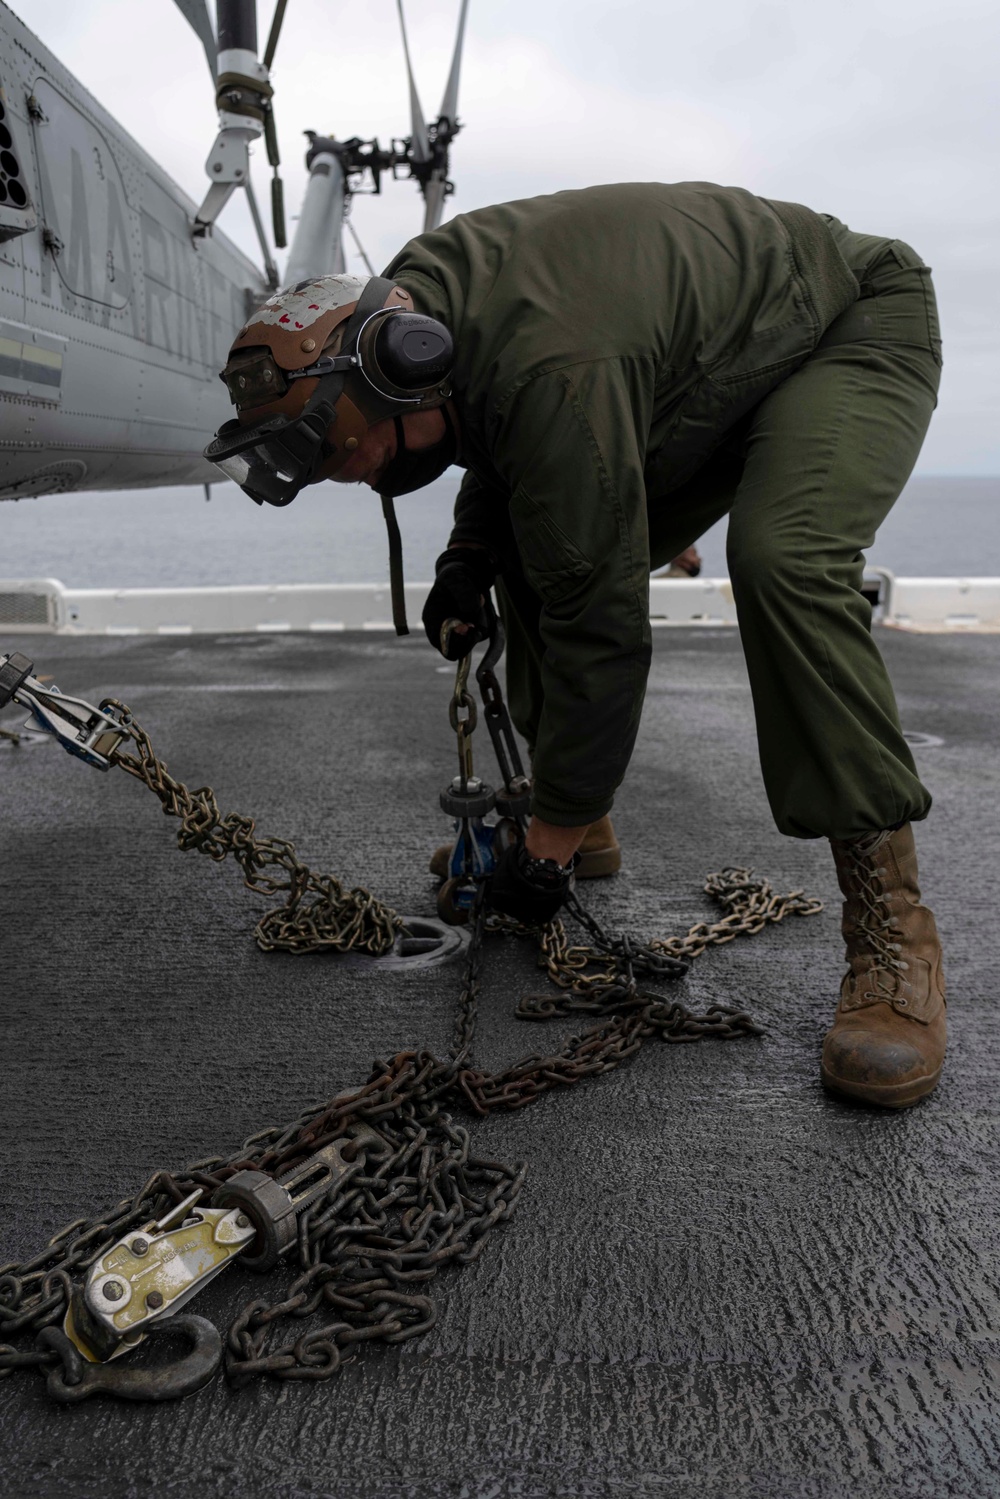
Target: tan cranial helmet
313 368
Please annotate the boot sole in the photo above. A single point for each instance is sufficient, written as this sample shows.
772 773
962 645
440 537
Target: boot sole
885 1096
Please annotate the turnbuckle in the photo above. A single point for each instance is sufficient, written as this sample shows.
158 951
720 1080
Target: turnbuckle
468 799
468 802
473 857
85 731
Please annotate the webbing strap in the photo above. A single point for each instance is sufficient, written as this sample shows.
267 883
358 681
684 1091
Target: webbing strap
395 566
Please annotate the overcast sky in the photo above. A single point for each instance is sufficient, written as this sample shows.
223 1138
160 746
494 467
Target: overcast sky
883 112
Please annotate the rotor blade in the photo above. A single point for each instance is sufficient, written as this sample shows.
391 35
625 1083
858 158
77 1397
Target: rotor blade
195 12
274 33
421 141
449 104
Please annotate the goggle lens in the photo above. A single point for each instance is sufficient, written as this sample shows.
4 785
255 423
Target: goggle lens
272 466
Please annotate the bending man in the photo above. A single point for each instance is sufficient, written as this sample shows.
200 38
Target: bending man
630 363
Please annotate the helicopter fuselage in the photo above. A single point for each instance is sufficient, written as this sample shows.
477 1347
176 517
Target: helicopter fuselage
114 320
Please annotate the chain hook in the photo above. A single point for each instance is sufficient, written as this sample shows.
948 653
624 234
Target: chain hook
74 1379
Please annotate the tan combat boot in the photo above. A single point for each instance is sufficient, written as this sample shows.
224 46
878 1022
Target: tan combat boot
600 853
888 1037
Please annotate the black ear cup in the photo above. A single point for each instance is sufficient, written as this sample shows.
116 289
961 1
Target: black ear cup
413 351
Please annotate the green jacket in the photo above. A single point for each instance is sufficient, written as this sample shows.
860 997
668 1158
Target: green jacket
606 340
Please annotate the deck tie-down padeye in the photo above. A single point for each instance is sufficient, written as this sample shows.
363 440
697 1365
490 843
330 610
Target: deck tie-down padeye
365 1232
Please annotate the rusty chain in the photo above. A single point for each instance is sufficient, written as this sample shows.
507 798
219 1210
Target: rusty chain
417 1200
318 911
590 975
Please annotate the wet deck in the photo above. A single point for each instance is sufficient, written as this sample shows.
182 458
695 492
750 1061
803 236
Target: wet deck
719 1282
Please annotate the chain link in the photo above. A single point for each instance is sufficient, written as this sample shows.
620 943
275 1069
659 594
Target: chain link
318 912
463 716
591 977
418 1200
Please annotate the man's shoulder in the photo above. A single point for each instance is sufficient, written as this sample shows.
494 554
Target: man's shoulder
597 234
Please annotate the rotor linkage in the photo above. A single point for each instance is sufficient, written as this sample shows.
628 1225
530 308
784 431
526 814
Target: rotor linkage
243 96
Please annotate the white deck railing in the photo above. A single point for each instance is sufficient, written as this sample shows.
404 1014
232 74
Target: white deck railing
46 605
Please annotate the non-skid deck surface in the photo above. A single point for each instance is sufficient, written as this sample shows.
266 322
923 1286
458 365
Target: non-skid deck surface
719 1284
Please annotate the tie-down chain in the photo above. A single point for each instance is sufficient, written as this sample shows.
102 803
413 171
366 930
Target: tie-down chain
373 1193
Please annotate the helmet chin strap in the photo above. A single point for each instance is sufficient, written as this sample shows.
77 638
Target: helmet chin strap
396 581
436 466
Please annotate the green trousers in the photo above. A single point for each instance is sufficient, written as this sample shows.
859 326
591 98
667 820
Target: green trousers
806 480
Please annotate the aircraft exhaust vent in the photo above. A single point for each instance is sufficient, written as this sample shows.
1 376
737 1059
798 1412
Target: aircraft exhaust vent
29 604
12 188
15 204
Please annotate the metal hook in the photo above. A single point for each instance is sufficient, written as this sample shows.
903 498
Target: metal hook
73 1379
495 636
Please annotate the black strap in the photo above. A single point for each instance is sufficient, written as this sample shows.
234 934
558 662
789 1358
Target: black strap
395 566
371 299
329 388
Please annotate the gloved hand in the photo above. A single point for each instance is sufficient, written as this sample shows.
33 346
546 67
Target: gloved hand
530 890
464 575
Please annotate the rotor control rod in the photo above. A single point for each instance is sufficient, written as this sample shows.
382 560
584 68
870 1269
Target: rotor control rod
242 83
243 95
236 25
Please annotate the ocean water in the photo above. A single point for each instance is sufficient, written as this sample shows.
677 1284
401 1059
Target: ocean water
335 534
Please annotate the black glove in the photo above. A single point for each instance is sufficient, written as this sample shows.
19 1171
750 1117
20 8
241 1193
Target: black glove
464 576
530 890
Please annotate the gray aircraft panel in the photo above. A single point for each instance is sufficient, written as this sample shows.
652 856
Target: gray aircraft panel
12 279
144 313
84 201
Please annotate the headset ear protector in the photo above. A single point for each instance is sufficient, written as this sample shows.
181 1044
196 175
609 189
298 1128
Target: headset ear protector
405 358
392 358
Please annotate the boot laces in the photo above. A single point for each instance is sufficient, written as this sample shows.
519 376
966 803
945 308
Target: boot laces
874 922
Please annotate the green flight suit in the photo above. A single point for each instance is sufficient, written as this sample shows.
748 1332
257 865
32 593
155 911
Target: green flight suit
633 362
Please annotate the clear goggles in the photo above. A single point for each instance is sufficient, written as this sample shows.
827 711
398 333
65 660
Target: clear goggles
276 457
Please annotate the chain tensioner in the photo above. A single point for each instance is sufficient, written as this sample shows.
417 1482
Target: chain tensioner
467 799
